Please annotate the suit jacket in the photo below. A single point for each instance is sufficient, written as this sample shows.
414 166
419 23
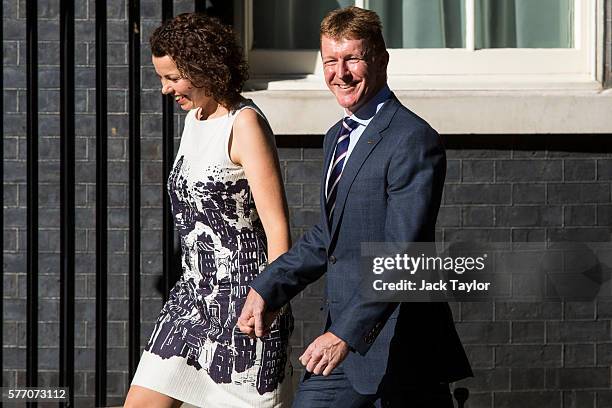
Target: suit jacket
390 191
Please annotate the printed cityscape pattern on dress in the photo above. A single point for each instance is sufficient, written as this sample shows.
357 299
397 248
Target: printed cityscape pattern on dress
223 249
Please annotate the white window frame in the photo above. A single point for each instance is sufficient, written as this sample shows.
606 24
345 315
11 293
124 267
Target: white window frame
411 67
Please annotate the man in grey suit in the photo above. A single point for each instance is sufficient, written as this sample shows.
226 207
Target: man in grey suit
382 182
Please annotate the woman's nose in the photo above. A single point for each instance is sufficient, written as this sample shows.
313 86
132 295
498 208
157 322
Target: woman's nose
166 89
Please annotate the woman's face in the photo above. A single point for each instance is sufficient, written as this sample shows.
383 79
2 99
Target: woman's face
185 94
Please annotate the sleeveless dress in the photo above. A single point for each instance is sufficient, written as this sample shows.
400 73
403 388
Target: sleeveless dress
196 353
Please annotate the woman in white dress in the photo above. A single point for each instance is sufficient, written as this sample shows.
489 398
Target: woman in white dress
230 211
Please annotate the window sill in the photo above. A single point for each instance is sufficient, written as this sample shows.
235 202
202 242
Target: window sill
470 106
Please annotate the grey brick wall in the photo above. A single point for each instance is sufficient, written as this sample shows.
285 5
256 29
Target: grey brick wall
532 188
499 188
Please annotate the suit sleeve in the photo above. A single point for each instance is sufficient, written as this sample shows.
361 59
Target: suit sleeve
290 273
303 264
415 179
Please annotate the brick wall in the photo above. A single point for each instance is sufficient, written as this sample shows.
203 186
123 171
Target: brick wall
532 188
529 188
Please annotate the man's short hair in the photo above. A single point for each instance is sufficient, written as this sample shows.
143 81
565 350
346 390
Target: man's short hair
357 24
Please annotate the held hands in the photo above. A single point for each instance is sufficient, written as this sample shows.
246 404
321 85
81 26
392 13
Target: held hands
324 354
255 321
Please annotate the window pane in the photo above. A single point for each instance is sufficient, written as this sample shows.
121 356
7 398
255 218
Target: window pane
422 23
290 24
524 23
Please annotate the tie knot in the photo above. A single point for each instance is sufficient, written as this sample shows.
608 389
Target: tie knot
349 124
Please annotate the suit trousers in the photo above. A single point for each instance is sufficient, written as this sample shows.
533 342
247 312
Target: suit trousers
335 390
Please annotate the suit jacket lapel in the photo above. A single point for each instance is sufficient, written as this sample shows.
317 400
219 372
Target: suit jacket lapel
368 140
330 142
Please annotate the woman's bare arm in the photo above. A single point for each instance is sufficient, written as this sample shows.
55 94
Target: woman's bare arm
252 146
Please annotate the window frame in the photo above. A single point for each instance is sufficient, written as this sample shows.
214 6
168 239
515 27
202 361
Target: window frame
413 66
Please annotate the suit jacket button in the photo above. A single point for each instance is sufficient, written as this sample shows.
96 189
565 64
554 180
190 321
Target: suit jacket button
332 259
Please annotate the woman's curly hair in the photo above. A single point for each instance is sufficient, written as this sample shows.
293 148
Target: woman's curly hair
205 52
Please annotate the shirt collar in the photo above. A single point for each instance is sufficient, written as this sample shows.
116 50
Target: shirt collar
364 115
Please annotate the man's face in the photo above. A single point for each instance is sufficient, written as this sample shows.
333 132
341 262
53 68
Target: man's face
351 75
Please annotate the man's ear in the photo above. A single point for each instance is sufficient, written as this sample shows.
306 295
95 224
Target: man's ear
384 60
381 60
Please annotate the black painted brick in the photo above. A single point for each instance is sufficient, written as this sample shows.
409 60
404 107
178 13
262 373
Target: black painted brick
476 311
488 379
583 234
477 234
311 194
576 310
477 194
539 399
527 311
579 170
577 193
604 398
304 172
579 215
526 379
604 215
483 216
578 399
477 170
539 356
604 354
528 170
529 193
529 216
578 378
578 331
578 355
480 356
484 332
604 169
527 332
449 217
528 235
453 171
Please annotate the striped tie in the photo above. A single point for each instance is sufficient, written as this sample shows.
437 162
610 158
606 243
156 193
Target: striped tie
348 125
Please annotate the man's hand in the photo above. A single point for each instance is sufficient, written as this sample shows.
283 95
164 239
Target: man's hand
255 321
324 354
